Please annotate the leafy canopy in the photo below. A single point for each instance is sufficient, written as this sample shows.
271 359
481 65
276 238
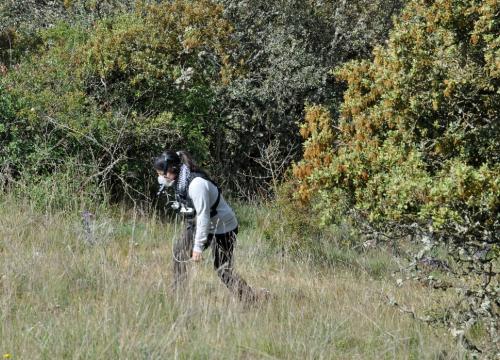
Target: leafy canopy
418 136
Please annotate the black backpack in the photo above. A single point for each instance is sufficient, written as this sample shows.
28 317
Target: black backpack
184 198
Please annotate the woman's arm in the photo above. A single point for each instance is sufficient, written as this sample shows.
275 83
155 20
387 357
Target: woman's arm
199 192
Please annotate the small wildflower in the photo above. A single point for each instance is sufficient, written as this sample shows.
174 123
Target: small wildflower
6 356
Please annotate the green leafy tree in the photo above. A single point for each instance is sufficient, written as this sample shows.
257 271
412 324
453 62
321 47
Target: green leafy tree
421 114
109 98
174 60
417 144
286 49
22 20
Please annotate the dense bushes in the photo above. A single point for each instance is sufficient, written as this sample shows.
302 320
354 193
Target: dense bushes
109 99
288 48
416 147
114 82
418 135
22 20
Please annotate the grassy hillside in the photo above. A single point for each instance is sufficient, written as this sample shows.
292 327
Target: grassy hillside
63 298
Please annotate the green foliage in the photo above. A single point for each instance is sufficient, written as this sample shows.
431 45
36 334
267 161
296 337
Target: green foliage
294 231
417 139
7 110
156 61
44 91
135 61
21 21
416 148
112 97
286 49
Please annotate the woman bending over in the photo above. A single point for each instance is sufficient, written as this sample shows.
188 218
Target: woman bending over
209 221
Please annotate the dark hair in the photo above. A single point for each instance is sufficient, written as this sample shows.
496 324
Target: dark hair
173 160
187 159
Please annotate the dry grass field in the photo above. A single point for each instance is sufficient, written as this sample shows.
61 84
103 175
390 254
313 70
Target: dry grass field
61 298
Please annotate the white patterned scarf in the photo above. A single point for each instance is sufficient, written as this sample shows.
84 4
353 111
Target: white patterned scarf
183 180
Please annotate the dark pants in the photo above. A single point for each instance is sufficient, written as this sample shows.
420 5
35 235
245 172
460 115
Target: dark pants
222 254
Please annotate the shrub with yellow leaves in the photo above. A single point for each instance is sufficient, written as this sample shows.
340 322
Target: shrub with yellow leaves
417 144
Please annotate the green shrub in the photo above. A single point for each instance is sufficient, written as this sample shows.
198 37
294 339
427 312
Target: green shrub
416 150
417 139
110 97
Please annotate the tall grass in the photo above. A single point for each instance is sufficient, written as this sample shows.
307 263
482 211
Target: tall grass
63 298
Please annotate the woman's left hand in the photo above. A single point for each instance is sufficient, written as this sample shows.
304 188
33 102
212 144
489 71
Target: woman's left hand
196 256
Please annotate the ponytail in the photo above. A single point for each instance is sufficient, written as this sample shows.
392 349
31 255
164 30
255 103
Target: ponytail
188 160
